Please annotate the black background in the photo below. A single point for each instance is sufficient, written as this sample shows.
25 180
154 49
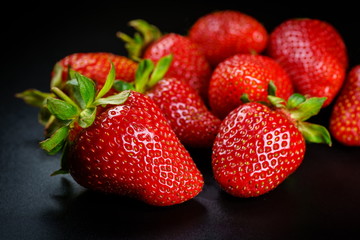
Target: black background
320 200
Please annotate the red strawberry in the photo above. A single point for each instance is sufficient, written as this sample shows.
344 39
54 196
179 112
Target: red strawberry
314 55
186 112
131 150
95 66
258 147
188 62
127 149
245 74
345 118
223 34
188 116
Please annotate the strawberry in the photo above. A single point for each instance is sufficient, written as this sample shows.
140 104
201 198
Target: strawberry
94 66
258 147
223 34
345 117
188 62
182 106
125 148
245 73
314 55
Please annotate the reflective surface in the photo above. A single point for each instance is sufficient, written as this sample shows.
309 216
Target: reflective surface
321 199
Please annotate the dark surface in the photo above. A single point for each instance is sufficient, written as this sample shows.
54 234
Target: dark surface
319 201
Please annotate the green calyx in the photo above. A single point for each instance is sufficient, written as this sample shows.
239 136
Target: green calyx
61 112
299 109
80 107
147 75
146 34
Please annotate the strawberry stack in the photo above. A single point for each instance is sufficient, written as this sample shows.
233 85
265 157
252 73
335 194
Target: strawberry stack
125 124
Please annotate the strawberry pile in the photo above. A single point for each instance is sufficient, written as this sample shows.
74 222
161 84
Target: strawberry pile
125 124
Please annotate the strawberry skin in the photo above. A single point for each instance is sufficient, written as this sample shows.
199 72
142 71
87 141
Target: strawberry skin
223 34
188 116
131 150
96 66
245 74
345 118
256 149
314 55
188 62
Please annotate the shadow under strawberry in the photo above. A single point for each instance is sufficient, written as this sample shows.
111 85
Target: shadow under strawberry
98 215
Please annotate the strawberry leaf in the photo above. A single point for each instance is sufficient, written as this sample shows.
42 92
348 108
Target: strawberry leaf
34 97
83 89
149 32
53 144
134 46
60 171
86 89
120 85
56 80
142 74
314 133
307 109
75 91
61 109
116 99
146 34
245 98
271 89
294 100
160 70
108 83
64 166
44 115
277 102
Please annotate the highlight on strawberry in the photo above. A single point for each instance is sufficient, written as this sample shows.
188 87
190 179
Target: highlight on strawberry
120 144
259 145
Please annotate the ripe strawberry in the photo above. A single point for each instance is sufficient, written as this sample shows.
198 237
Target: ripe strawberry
188 116
245 74
314 55
182 106
258 147
131 150
223 34
188 62
345 118
94 66
127 149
